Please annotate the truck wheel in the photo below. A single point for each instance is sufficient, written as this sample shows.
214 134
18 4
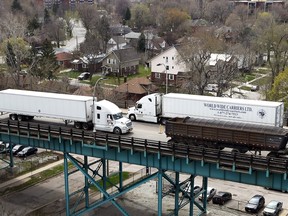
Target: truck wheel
21 118
30 117
163 121
132 117
86 126
117 131
13 117
78 125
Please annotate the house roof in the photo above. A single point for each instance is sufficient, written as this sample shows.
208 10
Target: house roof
214 58
64 56
128 54
139 85
132 35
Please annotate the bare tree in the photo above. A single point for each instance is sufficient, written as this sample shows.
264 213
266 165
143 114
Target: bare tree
218 11
56 30
196 56
12 25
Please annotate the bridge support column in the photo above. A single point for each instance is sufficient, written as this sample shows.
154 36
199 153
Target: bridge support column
120 176
67 197
104 177
204 185
86 187
192 201
177 189
160 174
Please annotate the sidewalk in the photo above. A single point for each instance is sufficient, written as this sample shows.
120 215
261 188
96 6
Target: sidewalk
23 178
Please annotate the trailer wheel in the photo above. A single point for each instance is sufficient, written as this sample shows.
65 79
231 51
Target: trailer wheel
132 117
13 117
117 131
86 126
78 125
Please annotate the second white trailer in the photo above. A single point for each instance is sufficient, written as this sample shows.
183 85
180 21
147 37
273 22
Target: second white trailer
159 108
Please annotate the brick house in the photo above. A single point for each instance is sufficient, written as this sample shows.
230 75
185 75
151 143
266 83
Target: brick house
64 59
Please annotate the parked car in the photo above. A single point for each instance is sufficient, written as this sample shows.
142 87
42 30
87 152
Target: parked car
17 148
187 189
210 194
255 204
5 147
27 151
221 197
84 76
273 208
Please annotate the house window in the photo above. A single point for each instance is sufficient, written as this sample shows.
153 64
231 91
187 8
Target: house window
171 77
173 58
172 67
167 67
157 75
114 61
166 59
84 65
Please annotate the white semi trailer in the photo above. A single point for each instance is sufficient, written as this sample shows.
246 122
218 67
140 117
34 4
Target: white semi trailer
158 108
82 110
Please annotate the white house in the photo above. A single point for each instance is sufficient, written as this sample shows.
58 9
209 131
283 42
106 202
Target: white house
166 66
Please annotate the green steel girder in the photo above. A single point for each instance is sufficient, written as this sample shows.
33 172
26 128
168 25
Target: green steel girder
277 181
161 162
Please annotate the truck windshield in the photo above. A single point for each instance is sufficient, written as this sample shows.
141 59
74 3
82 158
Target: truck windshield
117 116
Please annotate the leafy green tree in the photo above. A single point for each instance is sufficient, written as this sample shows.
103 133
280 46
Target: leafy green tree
16 51
47 18
16 6
141 16
33 25
46 65
141 43
127 16
10 56
280 87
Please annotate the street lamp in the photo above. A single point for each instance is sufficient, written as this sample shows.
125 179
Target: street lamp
166 90
93 106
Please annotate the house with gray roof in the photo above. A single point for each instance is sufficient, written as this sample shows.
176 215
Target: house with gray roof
122 62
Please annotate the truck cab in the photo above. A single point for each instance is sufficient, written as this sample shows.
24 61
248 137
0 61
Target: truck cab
108 117
148 108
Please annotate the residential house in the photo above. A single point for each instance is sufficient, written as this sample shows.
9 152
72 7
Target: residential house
166 66
134 89
116 42
217 60
132 38
80 64
122 62
64 59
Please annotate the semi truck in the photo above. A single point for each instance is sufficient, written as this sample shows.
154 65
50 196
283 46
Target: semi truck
157 107
85 112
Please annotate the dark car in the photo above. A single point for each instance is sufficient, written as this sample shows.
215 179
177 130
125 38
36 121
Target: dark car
187 189
221 197
84 76
210 194
273 208
255 204
27 151
17 148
